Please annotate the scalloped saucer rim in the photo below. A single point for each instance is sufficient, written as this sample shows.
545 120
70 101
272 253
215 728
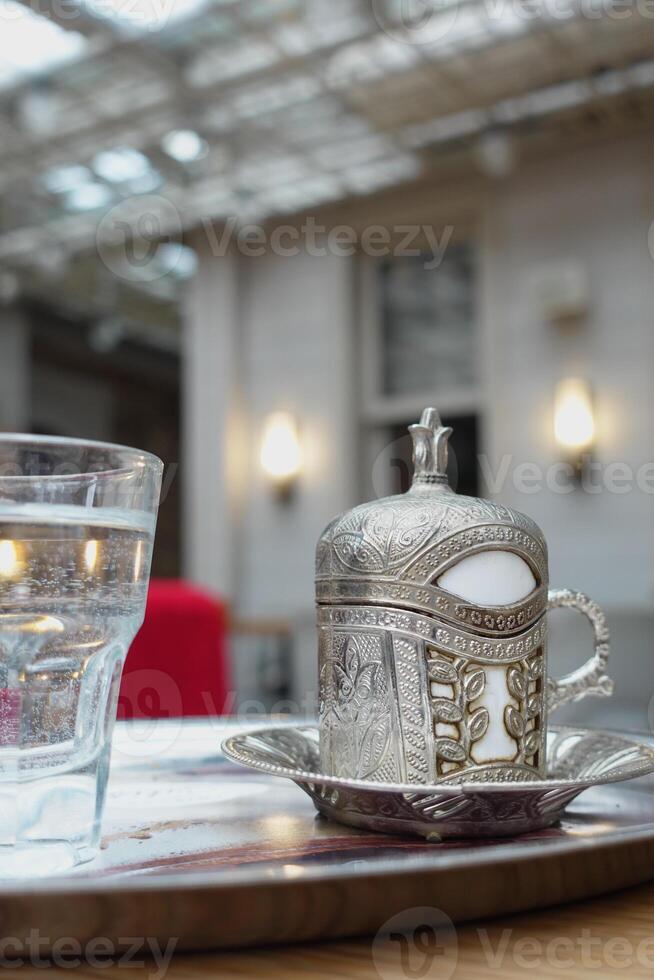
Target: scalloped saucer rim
231 748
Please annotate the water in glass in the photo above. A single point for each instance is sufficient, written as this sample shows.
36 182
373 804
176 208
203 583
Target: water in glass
73 582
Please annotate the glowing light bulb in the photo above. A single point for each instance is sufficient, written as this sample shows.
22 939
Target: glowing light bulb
574 422
9 563
281 455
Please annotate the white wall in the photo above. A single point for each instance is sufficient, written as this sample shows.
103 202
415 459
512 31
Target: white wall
298 356
262 335
266 334
594 207
210 379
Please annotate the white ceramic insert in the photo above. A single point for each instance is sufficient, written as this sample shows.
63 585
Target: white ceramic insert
490 578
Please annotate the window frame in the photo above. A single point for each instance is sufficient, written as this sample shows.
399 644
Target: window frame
379 411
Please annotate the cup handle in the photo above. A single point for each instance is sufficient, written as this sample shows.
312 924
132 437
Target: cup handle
592 677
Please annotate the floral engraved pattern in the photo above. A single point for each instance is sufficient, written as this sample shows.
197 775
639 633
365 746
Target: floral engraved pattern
490 649
360 709
429 565
354 684
413 710
467 682
523 681
381 537
387 534
508 620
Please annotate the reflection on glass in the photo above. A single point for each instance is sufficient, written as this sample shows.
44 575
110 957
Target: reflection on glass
9 564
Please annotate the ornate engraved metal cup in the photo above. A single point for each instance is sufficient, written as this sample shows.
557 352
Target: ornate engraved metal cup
422 679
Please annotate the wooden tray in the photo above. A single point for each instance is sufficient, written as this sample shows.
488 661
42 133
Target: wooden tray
214 855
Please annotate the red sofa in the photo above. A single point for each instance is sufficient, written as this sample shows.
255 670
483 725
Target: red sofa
177 665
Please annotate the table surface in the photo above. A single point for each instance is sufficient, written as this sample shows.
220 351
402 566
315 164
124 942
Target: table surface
606 937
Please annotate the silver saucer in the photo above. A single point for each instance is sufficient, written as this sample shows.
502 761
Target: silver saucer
577 760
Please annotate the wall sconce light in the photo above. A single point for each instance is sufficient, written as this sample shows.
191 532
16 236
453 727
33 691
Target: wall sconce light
574 420
281 454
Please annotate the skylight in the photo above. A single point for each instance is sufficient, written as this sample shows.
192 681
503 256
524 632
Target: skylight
260 99
185 145
121 164
258 172
291 197
61 180
444 128
178 259
350 152
135 16
239 58
30 44
88 197
381 173
642 74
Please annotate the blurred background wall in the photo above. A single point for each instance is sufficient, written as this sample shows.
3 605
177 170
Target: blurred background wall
481 175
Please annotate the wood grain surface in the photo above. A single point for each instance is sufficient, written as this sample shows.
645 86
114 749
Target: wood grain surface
607 937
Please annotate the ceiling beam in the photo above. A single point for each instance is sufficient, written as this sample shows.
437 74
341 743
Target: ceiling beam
79 232
187 100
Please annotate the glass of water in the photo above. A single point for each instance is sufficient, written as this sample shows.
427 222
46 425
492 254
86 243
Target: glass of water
77 524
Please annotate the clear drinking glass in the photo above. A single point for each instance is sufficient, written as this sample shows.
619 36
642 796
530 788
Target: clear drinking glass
77 524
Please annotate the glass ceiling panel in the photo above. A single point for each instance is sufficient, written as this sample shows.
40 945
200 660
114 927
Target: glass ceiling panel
381 173
230 61
264 11
269 97
30 44
315 123
137 16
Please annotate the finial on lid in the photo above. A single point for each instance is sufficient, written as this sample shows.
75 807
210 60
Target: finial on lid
430 438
